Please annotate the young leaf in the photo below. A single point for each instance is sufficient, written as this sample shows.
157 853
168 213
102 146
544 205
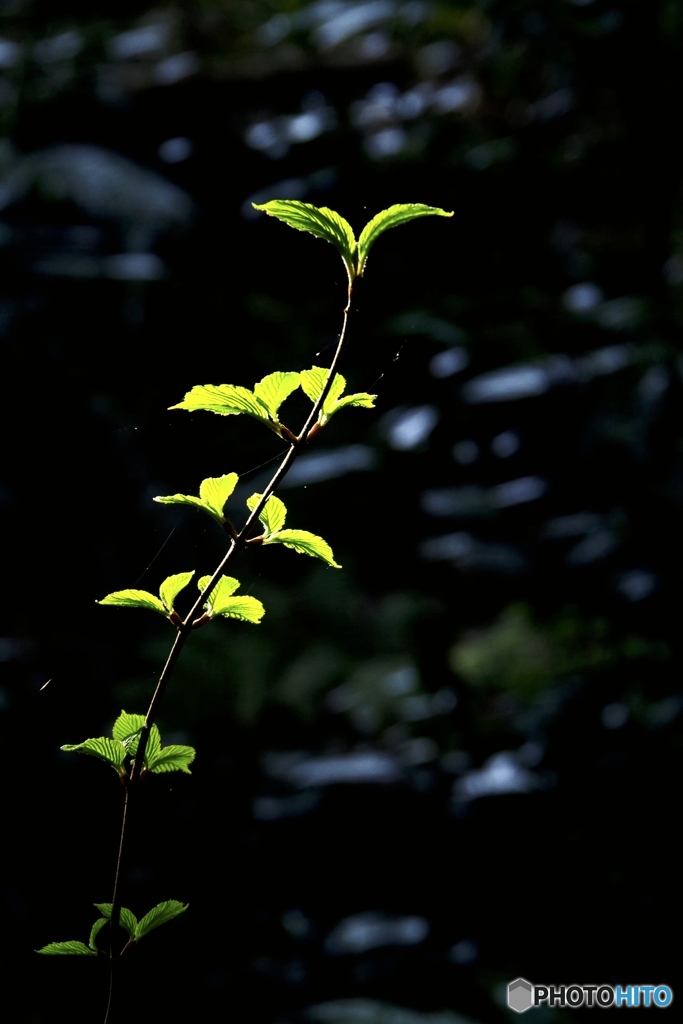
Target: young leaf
126 730
273 513
105 749
223 399
153 745
274 389
95 931
305 543
225 587
361 400
313 382
174 758
127 918
321 222
391 218
214 491
159 915
135 599
247 609
72 948
213 494
171 587
221 601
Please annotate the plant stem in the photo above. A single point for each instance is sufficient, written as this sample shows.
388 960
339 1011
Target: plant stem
116 904
185 628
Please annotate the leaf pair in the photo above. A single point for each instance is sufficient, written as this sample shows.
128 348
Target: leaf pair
313 382
221 602
273 515
123 744
263 403
161 914
325 223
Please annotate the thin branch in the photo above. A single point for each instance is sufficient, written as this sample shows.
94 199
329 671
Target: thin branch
185 627
116 904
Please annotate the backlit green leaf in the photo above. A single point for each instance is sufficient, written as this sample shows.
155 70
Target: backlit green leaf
153 745
215 491
248 609
391 218
305 543
171 587
223 399
362 400
225 586
101 747
274 389
213 494
95 931
273 514
159 915
72 948
313 382
128 921
190 500
126 730
221 601
134 599
321 222
127 918
174 758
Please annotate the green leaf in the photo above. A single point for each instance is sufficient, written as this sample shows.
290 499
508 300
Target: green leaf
95 931
188 499
102 747
171 587
305 543
274 389
221 601
128 921
135 599
273 514
362 400
174 758
72 948
321 222
225 586
126 730
153 745
391 218
223 399
127 918
215 491
213 495
313 382
247 609
159 915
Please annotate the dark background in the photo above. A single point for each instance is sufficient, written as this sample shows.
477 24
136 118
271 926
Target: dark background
454 762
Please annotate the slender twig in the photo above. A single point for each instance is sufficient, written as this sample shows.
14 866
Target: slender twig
185 627
116 904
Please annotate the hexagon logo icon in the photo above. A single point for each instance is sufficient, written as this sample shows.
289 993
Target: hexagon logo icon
520 995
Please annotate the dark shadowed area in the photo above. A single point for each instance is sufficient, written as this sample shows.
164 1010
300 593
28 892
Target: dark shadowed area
453 763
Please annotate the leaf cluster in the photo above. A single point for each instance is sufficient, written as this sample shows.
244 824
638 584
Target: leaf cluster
220 602
263 403
120 749
325 223
161 914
